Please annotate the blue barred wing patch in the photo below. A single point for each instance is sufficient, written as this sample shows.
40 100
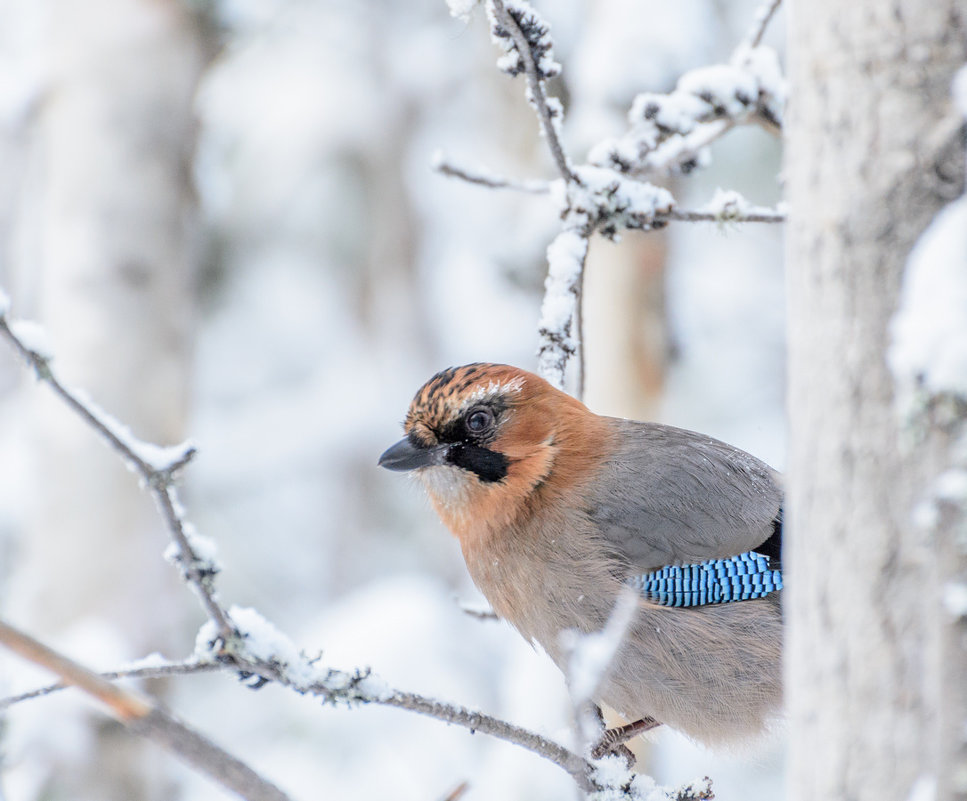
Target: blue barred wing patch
717 581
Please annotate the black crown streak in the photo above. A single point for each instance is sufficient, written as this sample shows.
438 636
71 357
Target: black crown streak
489 466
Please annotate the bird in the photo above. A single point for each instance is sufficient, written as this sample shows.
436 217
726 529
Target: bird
559 510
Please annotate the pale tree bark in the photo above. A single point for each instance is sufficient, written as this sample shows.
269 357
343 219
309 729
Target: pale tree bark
107 269
874 150
625 327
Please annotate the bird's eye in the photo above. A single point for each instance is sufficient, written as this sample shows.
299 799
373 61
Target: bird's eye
479 420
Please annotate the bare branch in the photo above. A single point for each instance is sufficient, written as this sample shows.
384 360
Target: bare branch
488 179
763 16
535 82
478 613
156 467
143 717
160 671
575 765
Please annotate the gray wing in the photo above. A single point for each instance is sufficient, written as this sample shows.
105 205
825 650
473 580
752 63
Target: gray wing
672 496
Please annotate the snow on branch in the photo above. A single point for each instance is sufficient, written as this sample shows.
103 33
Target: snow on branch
525 39
669 133
242 641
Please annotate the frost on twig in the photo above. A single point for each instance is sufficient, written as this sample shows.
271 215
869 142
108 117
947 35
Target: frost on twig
597 200
524 38
242 640
614 781
671 132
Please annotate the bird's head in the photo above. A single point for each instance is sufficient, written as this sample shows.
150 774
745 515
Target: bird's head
484 438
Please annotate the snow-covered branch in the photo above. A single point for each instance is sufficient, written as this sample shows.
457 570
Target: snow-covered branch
669 133
240 640
526 42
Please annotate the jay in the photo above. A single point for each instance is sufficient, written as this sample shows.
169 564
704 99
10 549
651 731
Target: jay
558 509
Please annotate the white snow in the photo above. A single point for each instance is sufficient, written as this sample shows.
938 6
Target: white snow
4 303
618 783
152 660
531 22
622 202
33 337
679 111
929 331
723 86
762 63
263 642
727 204
156 457
610 772
565 260
204 549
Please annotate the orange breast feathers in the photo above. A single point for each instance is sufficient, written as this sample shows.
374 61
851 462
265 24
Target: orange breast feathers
557 509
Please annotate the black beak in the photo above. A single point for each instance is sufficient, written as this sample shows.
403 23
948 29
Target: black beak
404 455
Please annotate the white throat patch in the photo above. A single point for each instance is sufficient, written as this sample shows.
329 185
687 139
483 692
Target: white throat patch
448 484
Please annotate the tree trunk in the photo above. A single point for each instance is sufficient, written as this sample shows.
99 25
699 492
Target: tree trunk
108 272
873 152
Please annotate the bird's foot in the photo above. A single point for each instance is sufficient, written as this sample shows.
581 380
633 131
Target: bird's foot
613 740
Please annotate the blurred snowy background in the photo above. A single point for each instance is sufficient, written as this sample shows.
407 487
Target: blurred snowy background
225 218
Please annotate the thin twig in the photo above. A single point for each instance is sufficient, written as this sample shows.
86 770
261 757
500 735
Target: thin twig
152 721
575 765
147 672
536 85
347 688
142 716
479 614
763 16
158 480
123 704
756 216
490 181
458 792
